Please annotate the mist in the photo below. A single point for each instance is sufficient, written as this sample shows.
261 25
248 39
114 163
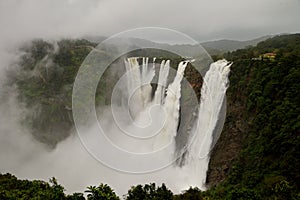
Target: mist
69 162
73 166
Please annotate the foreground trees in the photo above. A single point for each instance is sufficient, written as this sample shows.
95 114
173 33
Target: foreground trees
13 188
148 192
102 192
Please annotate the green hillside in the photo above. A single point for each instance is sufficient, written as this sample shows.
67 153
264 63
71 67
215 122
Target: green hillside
258 152
44 81
231 45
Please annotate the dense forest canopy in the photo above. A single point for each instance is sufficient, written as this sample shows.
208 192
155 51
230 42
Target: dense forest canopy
264 97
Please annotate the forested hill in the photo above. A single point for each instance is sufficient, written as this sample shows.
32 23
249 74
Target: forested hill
257 155
44 80
231 45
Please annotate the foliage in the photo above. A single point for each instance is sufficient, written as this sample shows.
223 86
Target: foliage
268 164
12 188
149 192
190 194
44 81
102 192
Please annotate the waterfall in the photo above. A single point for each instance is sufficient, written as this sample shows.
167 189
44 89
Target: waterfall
137 86
162 82
213 93
163 103
171 106
159 111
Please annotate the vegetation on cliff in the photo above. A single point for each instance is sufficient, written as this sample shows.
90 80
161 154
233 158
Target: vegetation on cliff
44 81
266 94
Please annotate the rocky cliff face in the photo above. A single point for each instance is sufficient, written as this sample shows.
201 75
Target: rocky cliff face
229 144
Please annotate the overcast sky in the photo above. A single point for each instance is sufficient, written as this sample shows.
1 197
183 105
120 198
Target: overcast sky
202 19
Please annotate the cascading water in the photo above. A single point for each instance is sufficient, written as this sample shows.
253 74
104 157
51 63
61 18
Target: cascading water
150 126
167 104
200 143
163 103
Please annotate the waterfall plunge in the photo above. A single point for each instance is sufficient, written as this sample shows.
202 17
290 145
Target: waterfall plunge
200 143
164 106
149 112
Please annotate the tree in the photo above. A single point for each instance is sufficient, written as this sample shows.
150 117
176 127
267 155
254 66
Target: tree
190 194
102 192
149 192
75 196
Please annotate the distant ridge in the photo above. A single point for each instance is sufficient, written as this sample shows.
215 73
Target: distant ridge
232 45
213 47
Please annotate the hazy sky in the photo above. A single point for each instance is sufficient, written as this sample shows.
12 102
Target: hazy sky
201 19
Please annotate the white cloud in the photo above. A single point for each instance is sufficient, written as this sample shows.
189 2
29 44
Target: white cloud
207 19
